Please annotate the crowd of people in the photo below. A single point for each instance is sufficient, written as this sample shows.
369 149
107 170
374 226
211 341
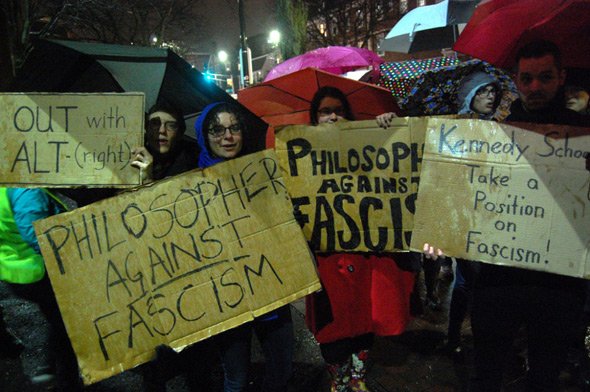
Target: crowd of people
363 295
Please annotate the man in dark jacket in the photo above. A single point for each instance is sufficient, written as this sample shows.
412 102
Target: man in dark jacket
506 298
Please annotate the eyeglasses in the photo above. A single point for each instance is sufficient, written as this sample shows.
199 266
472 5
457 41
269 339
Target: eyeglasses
155 123
486 92
339 111
219 130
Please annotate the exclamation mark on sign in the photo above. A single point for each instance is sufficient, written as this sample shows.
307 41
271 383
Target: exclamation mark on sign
548 244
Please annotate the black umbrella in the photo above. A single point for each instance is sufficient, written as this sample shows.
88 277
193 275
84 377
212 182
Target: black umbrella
72 66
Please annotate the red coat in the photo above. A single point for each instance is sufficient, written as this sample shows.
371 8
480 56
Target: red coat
365 294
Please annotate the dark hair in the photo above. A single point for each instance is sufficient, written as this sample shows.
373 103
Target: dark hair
171 110
538 49
213 118
332 92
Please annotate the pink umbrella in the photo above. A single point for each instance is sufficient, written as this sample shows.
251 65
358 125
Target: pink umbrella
334 59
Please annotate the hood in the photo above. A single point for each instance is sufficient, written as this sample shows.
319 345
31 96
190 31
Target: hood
469 86
206 159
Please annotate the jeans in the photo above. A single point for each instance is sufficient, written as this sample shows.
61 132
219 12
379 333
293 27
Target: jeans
276 338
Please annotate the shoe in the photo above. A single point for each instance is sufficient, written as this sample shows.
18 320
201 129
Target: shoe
44 376
358 372
339 376
454 351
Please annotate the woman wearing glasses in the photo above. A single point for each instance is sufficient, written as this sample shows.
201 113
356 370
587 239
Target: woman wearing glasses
364 294
163 154
221 133
479 93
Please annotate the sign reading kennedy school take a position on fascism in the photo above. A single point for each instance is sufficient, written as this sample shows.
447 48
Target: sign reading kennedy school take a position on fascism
354 183
67 139
175 262
505 195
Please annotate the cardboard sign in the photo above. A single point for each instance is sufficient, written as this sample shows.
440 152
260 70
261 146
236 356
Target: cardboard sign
175 263
354 183
505 195
63 140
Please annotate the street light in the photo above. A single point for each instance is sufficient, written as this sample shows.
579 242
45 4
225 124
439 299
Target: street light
274 37
222 56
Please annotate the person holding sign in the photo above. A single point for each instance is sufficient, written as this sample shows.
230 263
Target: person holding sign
163 155
22 266
363 294
220 131
505 299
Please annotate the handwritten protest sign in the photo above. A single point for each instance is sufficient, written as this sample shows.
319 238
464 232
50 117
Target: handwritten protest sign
62 140
354 183
176 262
505 195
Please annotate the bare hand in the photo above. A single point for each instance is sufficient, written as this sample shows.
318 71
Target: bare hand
384 120
432 253
143 160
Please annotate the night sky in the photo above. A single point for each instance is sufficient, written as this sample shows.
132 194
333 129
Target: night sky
223 27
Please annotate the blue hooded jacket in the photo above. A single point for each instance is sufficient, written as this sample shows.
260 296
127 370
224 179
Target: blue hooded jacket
206 159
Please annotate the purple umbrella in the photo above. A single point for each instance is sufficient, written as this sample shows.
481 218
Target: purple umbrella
334 59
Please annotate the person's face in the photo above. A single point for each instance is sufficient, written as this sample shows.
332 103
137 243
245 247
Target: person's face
225 137
330 110
484 99
538 81
577 101
162 132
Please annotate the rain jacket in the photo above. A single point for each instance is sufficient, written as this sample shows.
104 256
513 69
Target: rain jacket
20 261
468 88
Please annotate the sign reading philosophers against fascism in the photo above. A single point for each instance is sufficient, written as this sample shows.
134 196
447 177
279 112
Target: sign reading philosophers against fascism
68 139
175 263
354 183
505 195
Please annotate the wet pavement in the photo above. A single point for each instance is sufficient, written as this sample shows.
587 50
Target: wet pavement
411 362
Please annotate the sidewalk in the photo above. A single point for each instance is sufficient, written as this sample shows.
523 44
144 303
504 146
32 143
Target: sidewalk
410 362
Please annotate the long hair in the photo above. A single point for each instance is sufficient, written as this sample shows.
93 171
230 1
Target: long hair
332 92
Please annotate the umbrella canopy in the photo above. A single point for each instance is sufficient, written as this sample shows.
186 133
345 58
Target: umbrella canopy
401 76
286 100
334 59
428 27
503 27
435 92
71 66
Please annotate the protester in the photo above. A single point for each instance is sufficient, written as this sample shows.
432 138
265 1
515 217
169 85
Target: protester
479 94
23 268
164 153
363 294
507 298
221 132
576 99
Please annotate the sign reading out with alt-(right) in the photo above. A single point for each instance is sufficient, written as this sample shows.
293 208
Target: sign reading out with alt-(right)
505 195
67 139
353 183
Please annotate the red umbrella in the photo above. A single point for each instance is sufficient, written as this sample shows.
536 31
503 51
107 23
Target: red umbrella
500 27
286 100
334 59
